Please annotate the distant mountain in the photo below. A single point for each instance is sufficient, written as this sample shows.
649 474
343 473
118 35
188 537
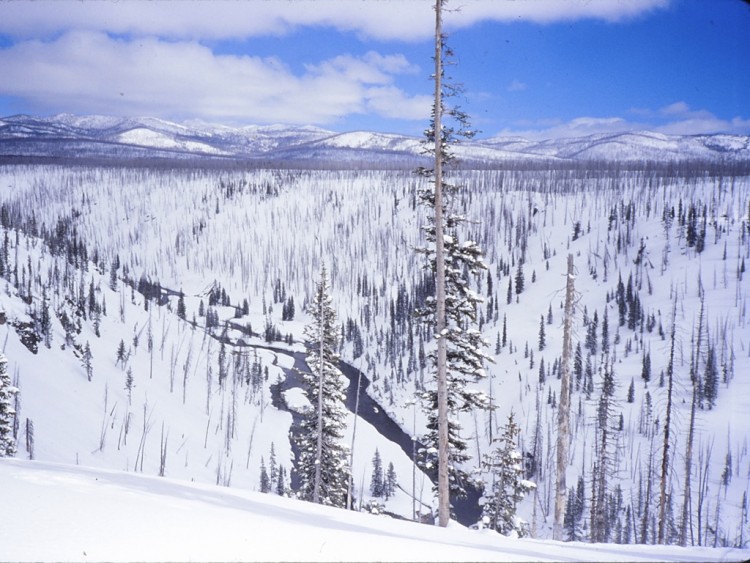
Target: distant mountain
69 136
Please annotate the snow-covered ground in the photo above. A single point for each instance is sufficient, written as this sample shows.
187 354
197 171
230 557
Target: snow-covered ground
53 512
253 232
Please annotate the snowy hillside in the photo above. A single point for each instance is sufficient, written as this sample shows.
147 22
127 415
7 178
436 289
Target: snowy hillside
55 512
101 136
190 386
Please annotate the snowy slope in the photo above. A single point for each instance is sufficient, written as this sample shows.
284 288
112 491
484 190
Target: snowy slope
264 232
73 513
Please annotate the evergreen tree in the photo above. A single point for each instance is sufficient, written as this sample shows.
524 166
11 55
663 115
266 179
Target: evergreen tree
7 411
542 336
603 466
519 278
590 343
578 365
265 481
507 486
45 321
646 367
129 384
86 361
391 480
711 378
121 354
452 311
574 511
181 312
323 460
509 295
377 485
281 489
273 468
631 391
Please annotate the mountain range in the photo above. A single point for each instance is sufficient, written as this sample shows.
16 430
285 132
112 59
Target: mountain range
65 135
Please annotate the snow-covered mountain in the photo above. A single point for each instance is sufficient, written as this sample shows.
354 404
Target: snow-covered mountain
67 135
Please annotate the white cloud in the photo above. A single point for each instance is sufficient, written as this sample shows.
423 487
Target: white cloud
674 119
86 72
215 19
677 108
517 86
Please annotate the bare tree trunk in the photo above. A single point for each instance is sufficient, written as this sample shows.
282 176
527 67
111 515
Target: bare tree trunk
319 446
691 434
667 423
563 412
440 321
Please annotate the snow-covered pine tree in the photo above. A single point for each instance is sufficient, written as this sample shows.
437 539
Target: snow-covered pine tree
377 485
391 480
507 486
323 465
86 361
265 481
7 411
452 311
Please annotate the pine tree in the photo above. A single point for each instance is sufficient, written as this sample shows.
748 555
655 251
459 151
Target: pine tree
711 378
377 486
646 367
391 480
273 468
578 365
323 461
574 511
265 481
542 336
129 384
603 465
121 354
45 321
181 312
452 311
519 278
86 361
631 391
507 486
281 489
7 411
509 295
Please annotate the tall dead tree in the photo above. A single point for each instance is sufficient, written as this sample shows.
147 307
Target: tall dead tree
563 412
667 425
694 362
440 324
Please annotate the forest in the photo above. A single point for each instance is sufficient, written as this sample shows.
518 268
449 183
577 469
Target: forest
148 308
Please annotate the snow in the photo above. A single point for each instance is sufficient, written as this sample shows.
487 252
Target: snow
296 400
284 141
146 137
54 512
152 220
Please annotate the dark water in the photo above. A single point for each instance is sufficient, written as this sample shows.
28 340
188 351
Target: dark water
467 510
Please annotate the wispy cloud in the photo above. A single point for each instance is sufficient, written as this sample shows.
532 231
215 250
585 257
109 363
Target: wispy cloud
88 72
516 86
674 119
218 19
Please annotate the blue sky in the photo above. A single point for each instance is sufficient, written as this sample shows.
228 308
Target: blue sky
537 68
